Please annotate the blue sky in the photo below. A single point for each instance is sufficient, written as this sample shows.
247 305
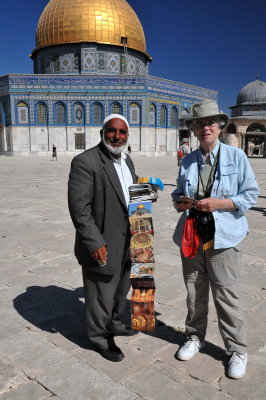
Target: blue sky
217 44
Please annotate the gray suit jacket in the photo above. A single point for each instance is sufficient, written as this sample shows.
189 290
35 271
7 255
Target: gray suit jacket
98 209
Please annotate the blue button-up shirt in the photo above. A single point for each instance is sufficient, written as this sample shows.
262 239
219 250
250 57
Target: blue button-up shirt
234 179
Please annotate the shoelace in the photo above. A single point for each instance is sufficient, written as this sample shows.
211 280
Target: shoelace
236 357
192 341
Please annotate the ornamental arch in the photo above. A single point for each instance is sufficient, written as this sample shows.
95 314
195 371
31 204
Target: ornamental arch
97 113
60 113
255 139
116 108
41 113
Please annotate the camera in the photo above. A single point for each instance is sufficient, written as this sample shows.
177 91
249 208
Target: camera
205 218
204 223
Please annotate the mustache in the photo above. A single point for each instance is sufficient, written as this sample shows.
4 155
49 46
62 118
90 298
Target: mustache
116 141
112 149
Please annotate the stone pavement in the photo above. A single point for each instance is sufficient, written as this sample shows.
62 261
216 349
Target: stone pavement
44 353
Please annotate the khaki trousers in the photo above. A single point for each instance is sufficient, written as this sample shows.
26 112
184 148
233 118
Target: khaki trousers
220 270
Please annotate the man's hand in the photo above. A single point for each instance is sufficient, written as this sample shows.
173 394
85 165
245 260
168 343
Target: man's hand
100 254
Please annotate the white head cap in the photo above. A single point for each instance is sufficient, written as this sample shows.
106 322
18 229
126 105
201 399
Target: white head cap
113 116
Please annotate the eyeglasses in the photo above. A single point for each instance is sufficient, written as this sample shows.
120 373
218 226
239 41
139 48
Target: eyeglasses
201 124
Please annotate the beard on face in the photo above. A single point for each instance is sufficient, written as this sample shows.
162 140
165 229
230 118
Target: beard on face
112 149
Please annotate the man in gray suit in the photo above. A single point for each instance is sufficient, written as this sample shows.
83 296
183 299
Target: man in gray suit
98 203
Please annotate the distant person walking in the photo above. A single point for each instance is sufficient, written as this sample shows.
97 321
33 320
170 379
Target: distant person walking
183 150
54 154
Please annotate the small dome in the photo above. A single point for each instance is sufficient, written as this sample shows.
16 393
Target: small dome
96 21
253 92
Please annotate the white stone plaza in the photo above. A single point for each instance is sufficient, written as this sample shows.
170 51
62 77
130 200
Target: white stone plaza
44 352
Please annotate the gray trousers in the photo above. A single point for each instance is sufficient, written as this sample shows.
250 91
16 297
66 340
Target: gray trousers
220 270
105 301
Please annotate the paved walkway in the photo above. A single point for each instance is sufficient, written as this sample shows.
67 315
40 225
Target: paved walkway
43 348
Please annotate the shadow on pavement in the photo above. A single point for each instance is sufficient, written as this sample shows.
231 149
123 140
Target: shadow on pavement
214 351
59 310
260 209
55 309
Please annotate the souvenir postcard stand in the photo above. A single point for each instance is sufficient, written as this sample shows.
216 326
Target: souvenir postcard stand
142 257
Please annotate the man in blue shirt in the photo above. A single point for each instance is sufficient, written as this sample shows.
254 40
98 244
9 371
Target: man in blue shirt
223 187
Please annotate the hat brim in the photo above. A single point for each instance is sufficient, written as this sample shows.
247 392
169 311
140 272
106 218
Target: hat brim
222 116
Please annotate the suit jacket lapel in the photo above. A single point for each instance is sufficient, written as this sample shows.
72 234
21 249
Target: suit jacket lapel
112 174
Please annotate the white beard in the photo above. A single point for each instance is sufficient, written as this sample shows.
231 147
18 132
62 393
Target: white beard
113 150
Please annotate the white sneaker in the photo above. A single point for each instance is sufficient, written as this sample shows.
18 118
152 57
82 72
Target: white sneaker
189 349
237 365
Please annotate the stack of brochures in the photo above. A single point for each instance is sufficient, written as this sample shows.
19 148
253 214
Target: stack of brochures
143 192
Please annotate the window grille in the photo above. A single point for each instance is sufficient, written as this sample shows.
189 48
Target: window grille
163 116
152 114
97 116
41 113
23 114
116 108
60 113
123 64
134 114
174 117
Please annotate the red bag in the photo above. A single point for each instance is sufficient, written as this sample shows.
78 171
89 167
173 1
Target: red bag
180 154
190 238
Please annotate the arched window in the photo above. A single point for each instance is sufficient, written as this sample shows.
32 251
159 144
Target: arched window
23 113
134 114
60 113
256 128
231 128
76 62
163 116
56 63
79 113
116 108
152 114
174 117
97 113
41 113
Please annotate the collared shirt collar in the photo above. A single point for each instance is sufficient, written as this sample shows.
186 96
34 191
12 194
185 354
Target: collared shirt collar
118 160
212 154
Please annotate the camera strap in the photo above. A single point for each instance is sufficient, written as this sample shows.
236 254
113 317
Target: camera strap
207 189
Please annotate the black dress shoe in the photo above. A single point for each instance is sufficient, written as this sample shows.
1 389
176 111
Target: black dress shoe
125 332
112 354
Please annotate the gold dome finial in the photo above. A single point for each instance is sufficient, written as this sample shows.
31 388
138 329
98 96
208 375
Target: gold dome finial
111 22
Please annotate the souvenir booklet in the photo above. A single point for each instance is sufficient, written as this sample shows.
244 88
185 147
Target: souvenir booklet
142 257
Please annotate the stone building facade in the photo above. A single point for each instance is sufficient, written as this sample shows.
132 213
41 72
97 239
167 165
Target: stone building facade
247 126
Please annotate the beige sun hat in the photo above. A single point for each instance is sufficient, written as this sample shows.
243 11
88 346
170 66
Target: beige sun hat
185 140
206 109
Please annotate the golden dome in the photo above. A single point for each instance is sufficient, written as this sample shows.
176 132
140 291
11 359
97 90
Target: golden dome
97 21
